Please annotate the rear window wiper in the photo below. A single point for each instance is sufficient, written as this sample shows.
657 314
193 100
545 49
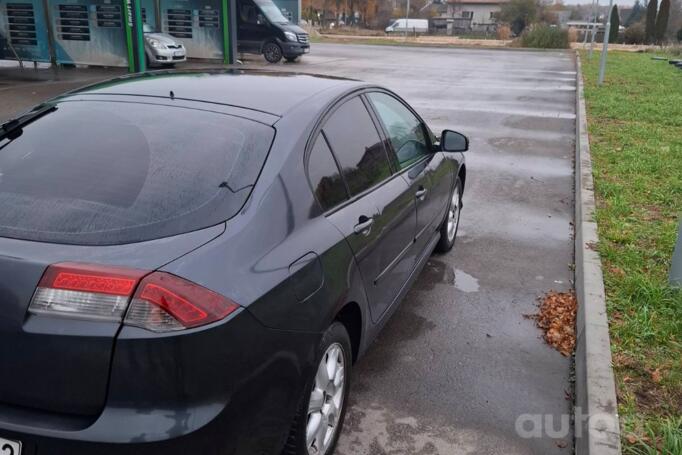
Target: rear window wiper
12 129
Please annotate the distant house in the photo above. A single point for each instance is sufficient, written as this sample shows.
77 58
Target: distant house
470 15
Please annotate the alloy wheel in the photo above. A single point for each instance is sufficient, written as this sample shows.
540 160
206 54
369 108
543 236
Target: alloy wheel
453 214
272 53
326 401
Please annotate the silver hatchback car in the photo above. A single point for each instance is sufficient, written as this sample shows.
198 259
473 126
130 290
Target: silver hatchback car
162 49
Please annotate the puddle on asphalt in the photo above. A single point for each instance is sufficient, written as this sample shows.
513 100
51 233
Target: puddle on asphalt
438 272
465 282
556 124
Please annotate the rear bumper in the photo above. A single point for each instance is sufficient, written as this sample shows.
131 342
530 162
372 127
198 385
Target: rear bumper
228 388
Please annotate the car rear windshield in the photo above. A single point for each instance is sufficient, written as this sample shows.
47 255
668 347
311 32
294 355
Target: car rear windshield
104 172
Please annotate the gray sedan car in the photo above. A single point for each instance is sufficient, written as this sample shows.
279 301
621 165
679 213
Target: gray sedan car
162 49
191 262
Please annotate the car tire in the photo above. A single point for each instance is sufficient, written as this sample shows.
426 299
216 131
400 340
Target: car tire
448 230
325 400
272 52
291 59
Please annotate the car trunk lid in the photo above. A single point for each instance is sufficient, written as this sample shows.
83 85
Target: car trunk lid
58 364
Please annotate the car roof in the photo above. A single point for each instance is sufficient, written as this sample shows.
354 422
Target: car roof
272 92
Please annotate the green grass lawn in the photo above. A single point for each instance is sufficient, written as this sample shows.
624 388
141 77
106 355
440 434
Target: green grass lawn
635 126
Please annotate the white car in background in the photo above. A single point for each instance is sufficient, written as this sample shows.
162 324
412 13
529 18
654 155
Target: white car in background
162 49
409 25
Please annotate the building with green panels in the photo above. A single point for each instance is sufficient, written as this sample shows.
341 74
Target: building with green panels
109 32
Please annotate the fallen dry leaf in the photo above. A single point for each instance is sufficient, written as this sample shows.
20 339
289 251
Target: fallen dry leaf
631 438
656 375
617 271
557 319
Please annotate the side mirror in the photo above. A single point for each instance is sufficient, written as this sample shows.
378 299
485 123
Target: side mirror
452 141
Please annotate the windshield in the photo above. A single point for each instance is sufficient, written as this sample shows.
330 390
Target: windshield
146 28
271 12
100 173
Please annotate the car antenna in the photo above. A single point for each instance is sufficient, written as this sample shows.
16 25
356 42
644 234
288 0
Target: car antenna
172 95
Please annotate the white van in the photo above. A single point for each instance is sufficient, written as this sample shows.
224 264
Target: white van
409 25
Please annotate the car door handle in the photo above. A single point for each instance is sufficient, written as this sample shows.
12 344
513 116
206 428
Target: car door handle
364 225
421 192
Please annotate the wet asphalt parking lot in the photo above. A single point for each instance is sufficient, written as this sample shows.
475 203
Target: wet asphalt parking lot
458 364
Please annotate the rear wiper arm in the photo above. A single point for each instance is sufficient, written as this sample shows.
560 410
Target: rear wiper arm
12 129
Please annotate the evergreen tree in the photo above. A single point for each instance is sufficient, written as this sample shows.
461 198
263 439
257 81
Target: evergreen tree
650 30
636 14
615 24
662 20
519 14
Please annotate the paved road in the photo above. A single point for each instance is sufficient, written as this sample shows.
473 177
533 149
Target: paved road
458 363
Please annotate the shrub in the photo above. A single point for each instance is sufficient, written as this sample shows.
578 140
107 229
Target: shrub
572 34
635 34
675 50
503 32
545 37
679 35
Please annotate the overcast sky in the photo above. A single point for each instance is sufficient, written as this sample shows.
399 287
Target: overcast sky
601 2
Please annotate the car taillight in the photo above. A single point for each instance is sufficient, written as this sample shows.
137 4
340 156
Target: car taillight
85 291
156 301
165 302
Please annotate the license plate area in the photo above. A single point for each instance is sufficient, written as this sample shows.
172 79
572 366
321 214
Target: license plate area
8 447
178 53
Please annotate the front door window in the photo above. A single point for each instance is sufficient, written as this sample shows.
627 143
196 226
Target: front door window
404 129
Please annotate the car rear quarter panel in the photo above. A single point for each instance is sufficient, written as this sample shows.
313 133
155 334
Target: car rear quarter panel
280 223
251 263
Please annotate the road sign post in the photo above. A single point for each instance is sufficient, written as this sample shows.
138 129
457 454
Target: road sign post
407 18
605 47
593 30
676 266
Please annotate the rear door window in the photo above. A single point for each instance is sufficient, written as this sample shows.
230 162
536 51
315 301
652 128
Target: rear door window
95 172
325 179
357 146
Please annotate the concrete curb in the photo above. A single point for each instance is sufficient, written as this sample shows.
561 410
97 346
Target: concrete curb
597 430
